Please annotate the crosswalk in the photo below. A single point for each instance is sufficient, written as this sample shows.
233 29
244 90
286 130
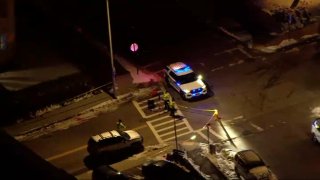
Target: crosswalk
161 123
163 127
166 128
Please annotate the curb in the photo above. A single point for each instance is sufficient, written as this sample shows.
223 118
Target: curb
100 108
292 43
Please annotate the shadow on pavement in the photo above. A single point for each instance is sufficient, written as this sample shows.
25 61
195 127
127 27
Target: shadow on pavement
94 161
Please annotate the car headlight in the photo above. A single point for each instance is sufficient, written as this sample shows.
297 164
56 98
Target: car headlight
200 76
186 90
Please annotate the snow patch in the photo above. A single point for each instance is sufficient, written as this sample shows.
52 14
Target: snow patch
85 115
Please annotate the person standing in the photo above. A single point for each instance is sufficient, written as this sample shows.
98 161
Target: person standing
172 107
166 98
120 126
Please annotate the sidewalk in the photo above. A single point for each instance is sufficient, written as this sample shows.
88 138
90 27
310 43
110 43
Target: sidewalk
127 86
216 163
289 40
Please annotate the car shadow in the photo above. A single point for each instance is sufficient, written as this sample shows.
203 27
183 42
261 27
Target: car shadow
93 161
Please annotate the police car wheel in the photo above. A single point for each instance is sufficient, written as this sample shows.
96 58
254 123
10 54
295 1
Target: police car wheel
182 95
166 79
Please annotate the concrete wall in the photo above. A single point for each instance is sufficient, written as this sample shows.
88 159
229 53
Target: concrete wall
7 29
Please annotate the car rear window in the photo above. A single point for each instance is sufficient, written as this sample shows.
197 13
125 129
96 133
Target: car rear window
125 135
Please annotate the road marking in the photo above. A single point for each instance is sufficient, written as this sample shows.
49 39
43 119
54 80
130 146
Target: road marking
140 127
154 132
135 103
66 153
160 118
238 117
153 98
218 68
235 118
140 110
226 51
152 126
169 127
178 135
205 137
172 132
245 53
163 123
236 63
81 148
212 132
256 126
216 134
156 103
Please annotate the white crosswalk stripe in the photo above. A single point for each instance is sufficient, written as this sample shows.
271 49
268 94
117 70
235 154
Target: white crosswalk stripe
162 124
163 128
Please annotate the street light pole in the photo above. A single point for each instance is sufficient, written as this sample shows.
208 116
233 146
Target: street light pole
111 52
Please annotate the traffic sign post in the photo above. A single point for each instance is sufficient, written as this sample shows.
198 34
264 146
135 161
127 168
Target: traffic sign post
134 47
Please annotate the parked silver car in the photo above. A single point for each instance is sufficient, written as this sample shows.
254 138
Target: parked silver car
112 141
250 166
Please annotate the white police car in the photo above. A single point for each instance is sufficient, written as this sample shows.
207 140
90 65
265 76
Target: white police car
315 130
182 78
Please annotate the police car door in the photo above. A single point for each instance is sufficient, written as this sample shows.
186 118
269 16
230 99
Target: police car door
172 81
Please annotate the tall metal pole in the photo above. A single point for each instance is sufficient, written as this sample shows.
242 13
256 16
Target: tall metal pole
111 52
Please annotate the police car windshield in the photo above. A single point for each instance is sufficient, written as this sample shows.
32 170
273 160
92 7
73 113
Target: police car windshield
187 78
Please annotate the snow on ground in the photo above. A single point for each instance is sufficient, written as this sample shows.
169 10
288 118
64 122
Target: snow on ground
56 106
225 162
275 48
86 115
224 159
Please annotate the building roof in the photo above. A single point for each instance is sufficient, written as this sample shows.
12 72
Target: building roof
19 162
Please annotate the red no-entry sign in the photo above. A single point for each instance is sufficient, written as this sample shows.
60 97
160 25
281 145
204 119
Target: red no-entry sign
134 47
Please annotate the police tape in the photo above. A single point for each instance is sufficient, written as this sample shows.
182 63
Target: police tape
198 109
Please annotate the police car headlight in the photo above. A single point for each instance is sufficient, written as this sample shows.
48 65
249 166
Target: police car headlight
200 77
186 90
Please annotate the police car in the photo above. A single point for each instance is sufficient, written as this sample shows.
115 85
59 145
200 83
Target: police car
183 79
315 130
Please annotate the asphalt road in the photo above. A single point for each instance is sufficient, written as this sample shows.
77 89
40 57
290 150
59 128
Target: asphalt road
265 103
67 148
